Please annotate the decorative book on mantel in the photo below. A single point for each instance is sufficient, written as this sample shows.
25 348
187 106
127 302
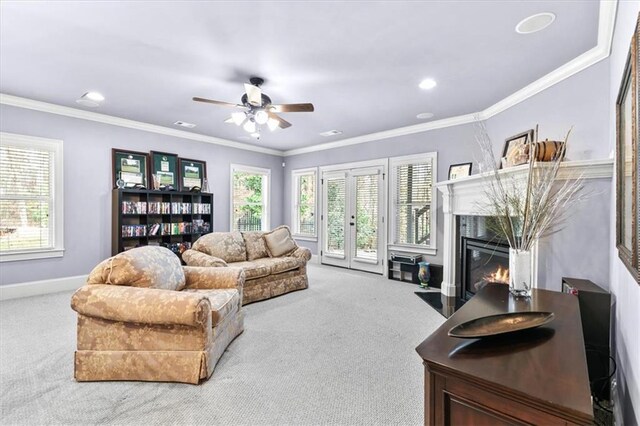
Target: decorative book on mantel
526 207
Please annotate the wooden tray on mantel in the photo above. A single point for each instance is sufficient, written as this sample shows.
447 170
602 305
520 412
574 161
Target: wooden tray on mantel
493 325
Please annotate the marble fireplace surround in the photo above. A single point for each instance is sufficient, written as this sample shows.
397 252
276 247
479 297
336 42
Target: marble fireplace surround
464 197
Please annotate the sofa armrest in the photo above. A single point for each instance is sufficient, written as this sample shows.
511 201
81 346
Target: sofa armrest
302 253
214 278
141 305
197 258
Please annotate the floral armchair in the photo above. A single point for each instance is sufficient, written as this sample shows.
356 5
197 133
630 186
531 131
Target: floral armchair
143 316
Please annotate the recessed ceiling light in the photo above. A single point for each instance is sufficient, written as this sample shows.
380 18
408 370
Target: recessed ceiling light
424 115
331 133
535 23
428 83
90 99
185 124
94 96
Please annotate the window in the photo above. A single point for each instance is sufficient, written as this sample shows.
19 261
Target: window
413 204
249 198
304 203
30 197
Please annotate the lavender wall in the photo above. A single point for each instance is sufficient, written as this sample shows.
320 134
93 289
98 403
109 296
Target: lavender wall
579 101
453 145
626 292
87 184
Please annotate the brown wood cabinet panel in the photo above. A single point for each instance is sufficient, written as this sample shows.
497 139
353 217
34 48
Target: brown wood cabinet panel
533 377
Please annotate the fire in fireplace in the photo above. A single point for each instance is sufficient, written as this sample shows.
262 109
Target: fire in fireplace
500 275
483 262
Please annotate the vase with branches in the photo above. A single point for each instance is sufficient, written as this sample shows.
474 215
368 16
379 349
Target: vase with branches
527 206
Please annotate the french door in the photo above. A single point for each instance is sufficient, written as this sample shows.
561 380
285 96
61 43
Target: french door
353 218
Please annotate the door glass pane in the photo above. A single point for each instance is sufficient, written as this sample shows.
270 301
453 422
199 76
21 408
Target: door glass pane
367 216
335 215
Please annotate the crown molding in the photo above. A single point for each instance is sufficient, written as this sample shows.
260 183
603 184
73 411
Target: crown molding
401 131
32 104
606 24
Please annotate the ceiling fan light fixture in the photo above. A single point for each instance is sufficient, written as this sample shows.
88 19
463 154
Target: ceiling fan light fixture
249 126
238 117
261 116
272 123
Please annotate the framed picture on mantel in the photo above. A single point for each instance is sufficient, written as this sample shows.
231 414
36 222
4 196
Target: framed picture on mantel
627 161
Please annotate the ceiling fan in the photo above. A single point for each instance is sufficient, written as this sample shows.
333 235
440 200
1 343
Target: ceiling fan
257 109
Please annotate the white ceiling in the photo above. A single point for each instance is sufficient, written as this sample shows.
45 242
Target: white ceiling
359 63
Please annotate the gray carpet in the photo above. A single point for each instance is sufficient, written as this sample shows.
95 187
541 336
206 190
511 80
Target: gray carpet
340 353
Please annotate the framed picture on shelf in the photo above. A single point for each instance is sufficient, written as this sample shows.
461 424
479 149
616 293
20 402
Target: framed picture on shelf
193 173
627 161
515 151
129 168
164 170
459 170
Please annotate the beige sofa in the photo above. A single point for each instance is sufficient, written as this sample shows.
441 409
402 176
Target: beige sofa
268 273
143 316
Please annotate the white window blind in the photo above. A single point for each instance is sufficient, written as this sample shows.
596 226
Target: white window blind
412 194
250 195
30 196
304 209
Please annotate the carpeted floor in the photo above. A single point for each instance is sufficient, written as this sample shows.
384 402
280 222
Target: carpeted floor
340 353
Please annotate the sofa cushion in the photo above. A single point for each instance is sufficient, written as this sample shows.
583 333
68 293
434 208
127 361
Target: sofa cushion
279 241
148 266
278 265
228 246
223 302
252 270
256 248
198 258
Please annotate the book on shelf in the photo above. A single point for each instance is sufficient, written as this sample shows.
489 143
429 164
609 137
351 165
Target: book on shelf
134 207
180 208
134 230
201 208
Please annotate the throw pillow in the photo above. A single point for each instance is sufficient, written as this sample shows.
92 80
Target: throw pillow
256 248
279 241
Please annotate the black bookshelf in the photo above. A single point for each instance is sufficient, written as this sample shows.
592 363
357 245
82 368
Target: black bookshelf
167 218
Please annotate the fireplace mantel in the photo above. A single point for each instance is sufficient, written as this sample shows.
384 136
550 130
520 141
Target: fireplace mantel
465 196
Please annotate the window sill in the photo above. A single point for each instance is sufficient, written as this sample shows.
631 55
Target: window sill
305 238
31 255
413 249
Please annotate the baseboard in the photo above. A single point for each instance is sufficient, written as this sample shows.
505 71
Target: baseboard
36 288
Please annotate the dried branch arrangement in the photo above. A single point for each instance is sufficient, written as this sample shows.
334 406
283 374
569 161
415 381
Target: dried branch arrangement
532 206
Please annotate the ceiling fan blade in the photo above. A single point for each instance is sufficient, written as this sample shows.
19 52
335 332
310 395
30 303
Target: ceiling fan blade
254 94
292 108
211 101
281 121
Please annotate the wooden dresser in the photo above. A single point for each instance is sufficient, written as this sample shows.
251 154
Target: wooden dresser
537 376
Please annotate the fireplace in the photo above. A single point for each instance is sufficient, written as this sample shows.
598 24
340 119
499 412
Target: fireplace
482 262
